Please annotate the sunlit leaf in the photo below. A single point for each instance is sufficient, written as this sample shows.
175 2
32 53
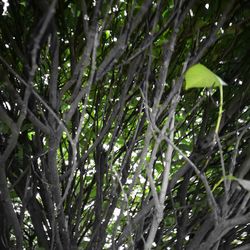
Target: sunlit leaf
107 34
199 76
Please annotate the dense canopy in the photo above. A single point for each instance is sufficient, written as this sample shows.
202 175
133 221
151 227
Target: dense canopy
102 147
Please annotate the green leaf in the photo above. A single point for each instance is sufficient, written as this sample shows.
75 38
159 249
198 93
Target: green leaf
158 167
199 76
107 34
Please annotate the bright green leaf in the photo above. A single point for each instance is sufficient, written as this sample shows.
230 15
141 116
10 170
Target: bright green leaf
199 76
107 34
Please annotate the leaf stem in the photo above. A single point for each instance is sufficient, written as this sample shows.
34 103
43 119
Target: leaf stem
220 110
